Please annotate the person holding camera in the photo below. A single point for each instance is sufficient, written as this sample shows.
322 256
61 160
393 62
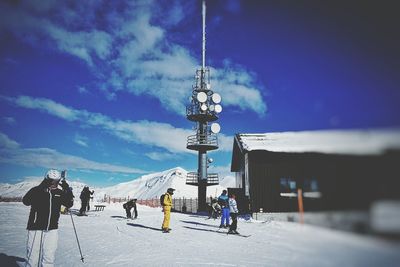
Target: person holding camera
45 201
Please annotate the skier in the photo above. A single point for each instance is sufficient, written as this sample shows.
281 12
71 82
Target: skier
128 206
223 202
90 199
85 197
167 205
214 209
234 213
45 201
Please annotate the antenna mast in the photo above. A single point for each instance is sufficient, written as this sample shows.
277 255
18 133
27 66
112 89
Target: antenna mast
204 108
204 34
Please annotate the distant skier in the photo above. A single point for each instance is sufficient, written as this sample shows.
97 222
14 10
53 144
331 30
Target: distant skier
214 209
234 213
167 205
45 201
128 206
85 197
223 202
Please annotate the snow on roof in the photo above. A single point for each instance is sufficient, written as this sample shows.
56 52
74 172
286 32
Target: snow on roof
354 142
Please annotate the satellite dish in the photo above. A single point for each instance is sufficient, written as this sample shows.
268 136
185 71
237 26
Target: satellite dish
203 107
202 97
218 108
211 108
215 128
216 98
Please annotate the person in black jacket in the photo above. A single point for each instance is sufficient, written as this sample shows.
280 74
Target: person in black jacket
45 201
128 206
85 197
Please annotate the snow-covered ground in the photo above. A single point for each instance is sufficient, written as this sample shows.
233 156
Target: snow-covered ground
108 239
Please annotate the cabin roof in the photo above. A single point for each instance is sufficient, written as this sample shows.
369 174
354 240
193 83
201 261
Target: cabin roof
347 142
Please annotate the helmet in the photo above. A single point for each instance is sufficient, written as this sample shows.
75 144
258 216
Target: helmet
170 191
53 174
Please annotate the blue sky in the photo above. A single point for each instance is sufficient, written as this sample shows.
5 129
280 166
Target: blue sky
100 87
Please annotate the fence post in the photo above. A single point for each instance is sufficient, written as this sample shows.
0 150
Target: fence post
300 202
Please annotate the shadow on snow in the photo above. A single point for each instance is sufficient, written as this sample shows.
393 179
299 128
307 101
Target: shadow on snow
202 224
10 261
205 230
144 226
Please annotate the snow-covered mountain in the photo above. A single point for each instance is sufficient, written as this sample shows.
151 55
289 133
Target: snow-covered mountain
155 184
20 189
145 187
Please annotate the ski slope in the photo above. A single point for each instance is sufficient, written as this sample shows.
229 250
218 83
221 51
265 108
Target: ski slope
108 239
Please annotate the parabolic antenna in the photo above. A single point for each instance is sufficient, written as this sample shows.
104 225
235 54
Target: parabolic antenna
218 108
203 107
216 98
215 128
211 108
202 97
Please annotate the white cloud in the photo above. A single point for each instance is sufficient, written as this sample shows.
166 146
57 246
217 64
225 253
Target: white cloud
81 140
80 44
12 153
150 133
132 52
82 90
44 104
7 143
83 44
159 156
9 120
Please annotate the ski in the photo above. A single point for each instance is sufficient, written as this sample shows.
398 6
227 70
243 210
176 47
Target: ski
246 236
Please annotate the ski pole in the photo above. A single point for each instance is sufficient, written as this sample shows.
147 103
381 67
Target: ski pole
76 235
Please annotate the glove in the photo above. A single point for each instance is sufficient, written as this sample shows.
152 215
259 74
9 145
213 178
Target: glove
64 185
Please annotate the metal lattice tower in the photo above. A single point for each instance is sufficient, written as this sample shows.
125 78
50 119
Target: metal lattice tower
203 109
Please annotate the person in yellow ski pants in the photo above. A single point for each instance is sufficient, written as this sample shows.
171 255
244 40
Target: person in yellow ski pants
167 209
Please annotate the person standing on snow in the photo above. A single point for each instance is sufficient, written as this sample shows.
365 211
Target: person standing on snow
45 201
234 214
85 197
167 205
223 202
128 206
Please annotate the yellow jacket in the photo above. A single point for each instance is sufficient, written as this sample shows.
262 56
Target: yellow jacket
167 200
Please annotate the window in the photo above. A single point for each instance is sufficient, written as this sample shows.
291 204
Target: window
311 185
288 185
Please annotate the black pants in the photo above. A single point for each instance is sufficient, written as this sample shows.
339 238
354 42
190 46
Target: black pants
233 225
83 206
128 212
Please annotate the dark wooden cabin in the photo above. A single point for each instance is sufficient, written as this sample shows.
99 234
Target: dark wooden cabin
336 170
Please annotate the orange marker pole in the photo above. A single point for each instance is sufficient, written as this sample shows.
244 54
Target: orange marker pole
300 202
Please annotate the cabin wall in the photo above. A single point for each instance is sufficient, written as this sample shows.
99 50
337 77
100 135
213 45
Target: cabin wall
345 182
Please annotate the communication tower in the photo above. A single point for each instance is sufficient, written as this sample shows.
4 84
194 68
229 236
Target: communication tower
204 109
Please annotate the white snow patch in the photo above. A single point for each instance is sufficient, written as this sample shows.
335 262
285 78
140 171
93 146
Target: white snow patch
107 239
